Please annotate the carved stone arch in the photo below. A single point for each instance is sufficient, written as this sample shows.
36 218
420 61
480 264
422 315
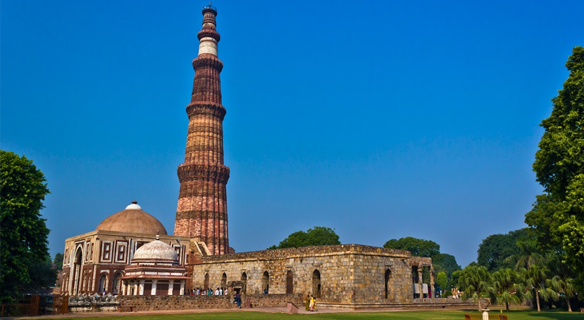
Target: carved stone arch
316 285
266 282
289 282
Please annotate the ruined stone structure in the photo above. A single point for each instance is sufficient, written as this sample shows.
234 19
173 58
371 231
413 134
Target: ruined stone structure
202 201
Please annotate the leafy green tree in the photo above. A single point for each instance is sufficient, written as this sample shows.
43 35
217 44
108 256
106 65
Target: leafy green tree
476 282
442 281
534 278
22 230
499 251
418 247
318 236
446 263
557 217
42 276
58 261
506 288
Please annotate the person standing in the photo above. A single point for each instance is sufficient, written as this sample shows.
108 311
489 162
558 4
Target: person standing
307 304
311 303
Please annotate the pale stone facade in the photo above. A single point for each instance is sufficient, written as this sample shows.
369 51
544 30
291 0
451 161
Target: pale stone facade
340 274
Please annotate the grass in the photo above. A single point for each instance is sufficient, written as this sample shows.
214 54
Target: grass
406 315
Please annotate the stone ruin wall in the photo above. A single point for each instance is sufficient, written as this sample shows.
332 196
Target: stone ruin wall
348 273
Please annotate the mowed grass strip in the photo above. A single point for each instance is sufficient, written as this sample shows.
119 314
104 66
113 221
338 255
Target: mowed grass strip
396 315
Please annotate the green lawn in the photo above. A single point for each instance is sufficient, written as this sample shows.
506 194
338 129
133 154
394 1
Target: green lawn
406 315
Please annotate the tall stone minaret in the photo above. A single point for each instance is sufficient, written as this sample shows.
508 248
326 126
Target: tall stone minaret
202 201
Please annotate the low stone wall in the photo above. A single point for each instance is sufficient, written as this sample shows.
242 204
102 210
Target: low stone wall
414 304
93 303
148 303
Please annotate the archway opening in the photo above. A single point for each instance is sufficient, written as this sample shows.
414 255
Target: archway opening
102 283
244 281
316 283
266 282
77 271
206 284
223 281
289 282
387 285
117 283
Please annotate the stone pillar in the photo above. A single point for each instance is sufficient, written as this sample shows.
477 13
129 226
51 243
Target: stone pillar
170 287
154 287
141 293
432 282
182 287
123 293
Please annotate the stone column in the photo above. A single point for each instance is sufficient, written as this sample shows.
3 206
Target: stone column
154 287
182 287
170 287
123 288
141 293
432 282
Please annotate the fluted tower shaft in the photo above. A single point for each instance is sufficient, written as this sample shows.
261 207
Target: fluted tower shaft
202 201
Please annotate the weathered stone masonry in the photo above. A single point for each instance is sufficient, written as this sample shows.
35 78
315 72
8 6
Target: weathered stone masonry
344 274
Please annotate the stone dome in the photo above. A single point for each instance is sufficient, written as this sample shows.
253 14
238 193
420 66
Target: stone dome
156 251
132 220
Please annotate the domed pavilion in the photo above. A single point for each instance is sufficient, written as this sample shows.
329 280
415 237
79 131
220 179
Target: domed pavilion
98 261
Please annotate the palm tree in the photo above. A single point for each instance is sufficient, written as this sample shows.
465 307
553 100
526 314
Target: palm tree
534 278
477 282
529 255
505 287
564 286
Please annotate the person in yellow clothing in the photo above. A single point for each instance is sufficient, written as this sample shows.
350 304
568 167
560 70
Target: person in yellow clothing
314 304
311 303
307 304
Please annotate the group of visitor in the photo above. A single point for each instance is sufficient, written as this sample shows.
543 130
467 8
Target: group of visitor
209 292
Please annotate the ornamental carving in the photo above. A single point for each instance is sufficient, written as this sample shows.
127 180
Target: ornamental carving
207 60
189 172
214 109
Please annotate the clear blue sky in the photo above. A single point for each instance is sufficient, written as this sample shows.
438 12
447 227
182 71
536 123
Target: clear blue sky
380 119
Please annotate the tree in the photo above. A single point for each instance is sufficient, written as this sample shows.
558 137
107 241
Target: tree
442 281
319 236
22 230
445 262
534 278
499 251
418 247
58 261
557 216
476 282
505 287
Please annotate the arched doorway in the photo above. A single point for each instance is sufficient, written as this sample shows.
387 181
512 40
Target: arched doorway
289 282
206 284
223 281
102 283
316 283
266 282
77 278
388 294
117 283
244 281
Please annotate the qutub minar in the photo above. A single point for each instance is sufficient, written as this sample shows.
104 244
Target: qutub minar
202 201
130 254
